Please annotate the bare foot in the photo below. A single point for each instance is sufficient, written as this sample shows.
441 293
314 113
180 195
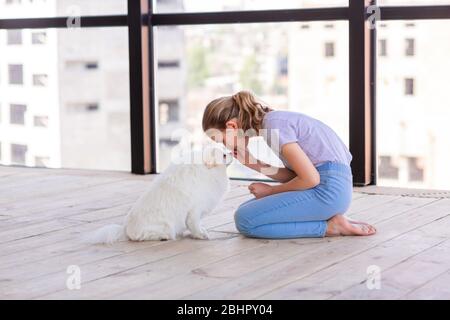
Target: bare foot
341 226
357 222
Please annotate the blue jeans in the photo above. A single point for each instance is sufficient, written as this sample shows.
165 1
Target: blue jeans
299 214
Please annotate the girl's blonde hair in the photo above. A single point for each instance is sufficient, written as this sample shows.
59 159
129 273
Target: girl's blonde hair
243 106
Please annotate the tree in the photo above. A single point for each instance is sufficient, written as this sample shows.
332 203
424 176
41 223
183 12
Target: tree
249 75
198 66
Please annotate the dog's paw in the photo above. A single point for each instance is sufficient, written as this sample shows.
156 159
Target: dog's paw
204 235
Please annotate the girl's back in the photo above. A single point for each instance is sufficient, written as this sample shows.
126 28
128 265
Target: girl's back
317 139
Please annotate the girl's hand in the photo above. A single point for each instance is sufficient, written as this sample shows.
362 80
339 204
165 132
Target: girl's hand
260 190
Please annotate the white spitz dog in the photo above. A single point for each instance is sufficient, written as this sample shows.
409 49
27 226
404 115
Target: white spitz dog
175 201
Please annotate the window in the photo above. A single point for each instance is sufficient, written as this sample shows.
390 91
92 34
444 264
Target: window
382 47
17 114
410 47
415 171
41 121
15 74
39 38
168 64
18 154
40 80
73 65
88 112
169 111
91 65
412 105
329 49
283 69
409 86
386 169
92 107
14 37
220 59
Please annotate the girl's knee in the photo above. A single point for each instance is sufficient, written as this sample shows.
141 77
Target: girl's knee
242 221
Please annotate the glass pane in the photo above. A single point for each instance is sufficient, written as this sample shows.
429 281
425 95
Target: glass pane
64 102
413 105
165 6
291 66
54 8
412 2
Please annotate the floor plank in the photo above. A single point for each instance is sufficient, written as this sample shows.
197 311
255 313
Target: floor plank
436 289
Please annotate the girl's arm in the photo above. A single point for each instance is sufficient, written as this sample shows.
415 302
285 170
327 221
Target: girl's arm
306 175
275 173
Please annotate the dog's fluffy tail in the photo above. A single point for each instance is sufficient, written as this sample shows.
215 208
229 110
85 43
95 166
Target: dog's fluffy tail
108 235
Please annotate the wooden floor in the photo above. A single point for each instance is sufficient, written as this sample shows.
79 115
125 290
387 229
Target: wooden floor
45 213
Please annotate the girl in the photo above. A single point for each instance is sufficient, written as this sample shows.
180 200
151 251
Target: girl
316 183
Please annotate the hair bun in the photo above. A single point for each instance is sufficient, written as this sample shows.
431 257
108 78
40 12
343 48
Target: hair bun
242 105
237 96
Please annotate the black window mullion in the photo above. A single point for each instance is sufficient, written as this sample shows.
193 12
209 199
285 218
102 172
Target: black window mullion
61 22
254 16
361 94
